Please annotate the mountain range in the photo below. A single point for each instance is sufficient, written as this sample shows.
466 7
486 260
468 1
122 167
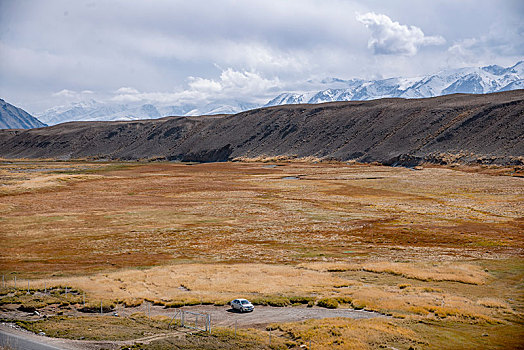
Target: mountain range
482 80
12 117
476 80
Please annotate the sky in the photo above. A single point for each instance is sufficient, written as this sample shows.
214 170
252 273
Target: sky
175 52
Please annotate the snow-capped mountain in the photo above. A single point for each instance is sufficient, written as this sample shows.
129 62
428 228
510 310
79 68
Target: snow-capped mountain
12 117
97 111
480 80
475 80
93 110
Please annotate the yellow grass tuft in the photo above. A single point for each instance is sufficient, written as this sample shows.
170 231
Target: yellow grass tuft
201 282
493 303
347 334
448 271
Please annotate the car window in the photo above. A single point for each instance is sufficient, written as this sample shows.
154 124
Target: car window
245 302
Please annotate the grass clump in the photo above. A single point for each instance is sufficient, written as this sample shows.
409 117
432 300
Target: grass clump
131 302
301 300
271 301
37 299
330 303
94 307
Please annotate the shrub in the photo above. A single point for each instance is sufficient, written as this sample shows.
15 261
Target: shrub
344 300
94 307
131 302
329 303
175 303
300 300
358 304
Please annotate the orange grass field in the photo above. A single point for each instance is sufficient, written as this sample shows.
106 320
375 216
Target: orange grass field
438 249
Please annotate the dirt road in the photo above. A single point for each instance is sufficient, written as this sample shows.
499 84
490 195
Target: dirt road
222 316
225 316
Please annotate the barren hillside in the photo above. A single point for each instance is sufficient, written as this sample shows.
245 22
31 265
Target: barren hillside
464 128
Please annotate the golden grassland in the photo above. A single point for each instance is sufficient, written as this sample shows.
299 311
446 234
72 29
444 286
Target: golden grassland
440 250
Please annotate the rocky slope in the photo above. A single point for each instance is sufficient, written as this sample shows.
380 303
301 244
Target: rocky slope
12 117
464 128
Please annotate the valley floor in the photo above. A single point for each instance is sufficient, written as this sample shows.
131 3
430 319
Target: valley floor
437 250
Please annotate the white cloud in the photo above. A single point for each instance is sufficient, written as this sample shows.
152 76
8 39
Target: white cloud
485 48
70 94
127 90
392 38
232 84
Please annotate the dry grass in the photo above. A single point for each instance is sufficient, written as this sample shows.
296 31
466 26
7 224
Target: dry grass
349 334
279 159
493 303
464 273
413 244
154 214
216 283
99 327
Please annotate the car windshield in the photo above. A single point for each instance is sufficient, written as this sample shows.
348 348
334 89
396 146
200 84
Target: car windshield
244 302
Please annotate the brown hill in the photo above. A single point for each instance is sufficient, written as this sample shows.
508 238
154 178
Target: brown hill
464 128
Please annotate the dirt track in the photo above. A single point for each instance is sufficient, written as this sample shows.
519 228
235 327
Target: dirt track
224 316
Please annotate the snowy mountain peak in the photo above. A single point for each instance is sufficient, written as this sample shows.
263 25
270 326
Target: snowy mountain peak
472 80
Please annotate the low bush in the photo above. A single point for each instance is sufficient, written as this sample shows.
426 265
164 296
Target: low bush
329 303
300 300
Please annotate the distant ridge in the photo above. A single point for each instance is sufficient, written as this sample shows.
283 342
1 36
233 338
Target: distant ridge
487 129
12 117
472 80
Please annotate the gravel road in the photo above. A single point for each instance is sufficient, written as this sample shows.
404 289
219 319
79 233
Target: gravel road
223 316
263 315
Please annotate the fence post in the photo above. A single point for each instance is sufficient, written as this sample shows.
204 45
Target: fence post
149 310
183 318
3 281
269 336
15 281
84 298
100 306
235 329
28 287
45 287
66 292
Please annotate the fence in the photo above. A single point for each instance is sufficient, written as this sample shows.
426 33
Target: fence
192 320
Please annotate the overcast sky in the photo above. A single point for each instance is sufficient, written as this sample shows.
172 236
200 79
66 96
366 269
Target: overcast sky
56 52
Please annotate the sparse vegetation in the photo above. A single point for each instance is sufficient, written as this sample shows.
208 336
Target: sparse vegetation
98 327
441 258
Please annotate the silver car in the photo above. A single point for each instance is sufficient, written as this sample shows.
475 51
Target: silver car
242 305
